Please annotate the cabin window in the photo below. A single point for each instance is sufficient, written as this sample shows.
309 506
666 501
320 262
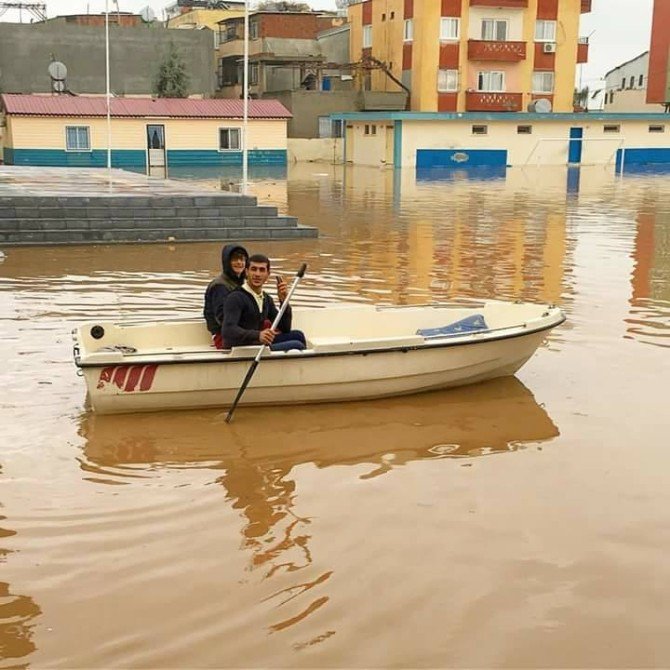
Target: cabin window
229 139
545 31
659 128
367 37
611 128
450 28
447 80
480 130
524 130
77 138
408 30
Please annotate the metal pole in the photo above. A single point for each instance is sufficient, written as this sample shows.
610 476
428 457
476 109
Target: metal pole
245 98
109 114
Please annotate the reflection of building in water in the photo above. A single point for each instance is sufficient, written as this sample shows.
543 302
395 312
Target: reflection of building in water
16 620
459 236
651 254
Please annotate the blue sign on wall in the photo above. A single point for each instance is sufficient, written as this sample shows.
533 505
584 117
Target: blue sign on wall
459 158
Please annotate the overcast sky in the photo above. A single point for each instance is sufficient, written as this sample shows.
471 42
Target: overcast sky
619 29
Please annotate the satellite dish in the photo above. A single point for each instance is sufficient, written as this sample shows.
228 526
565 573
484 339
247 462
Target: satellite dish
57 71
58 85
148 15
540 106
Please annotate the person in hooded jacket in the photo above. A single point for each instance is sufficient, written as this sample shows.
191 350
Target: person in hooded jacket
234 260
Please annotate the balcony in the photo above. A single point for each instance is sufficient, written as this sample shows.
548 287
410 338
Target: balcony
583 50
498 51
485 101
586 6
503 3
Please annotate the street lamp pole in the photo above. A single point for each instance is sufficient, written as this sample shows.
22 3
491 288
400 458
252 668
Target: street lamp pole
245 99
109 114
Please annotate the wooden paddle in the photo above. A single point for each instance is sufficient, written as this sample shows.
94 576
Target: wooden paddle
300 274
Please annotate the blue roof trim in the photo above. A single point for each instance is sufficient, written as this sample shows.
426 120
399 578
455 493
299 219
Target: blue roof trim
498 116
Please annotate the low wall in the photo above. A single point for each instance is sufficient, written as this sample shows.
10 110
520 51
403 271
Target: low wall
318 150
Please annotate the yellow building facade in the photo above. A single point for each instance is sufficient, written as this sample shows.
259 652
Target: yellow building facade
471 55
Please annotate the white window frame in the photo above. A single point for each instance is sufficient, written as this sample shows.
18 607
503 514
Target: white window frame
77 148
230 130
494 23
450 29
253 30
254 73
444 85
408 30
540 75
545 30
488 74
367 36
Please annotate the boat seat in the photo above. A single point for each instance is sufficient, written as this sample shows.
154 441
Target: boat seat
347 343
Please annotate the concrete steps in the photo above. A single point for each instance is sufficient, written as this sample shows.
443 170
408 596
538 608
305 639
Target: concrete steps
99 219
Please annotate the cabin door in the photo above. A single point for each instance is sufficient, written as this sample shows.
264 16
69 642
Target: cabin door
156 163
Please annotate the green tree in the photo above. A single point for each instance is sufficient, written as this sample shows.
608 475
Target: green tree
283 6
172 79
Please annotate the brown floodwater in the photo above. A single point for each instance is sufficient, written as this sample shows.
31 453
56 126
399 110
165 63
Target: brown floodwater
520 523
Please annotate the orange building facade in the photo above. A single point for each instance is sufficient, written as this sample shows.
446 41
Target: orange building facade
658 87
471 55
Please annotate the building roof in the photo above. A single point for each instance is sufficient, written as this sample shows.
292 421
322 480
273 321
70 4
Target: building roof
628 62
187 108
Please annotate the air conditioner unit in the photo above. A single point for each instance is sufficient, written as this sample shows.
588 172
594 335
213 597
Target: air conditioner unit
549 47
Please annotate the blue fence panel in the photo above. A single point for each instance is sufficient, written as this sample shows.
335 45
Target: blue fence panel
459 158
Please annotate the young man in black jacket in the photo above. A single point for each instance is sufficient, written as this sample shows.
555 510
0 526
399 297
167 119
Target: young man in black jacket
249 312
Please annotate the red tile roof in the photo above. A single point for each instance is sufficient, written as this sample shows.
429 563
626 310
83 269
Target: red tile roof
214 108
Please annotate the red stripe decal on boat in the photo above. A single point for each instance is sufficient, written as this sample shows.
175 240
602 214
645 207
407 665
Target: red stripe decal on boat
148 377
120 373
105 376
134 377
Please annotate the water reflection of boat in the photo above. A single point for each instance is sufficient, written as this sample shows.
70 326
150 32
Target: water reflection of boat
498 416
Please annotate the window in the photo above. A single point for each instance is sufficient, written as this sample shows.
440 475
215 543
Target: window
370 129
253 30
657 129
229 139
623 83
524 130
77 138
383 17
392 16
231 33
545 31
447 80
632 82
408 30
367 37
253 74
494 30
543 82
330 127
611 128
641 81
611 97
480 130
491 81
450 29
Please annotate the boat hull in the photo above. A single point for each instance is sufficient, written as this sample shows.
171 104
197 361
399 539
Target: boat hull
299 379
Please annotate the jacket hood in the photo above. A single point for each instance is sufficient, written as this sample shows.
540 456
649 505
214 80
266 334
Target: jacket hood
226 253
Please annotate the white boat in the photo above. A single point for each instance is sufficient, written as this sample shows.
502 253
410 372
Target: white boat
354 352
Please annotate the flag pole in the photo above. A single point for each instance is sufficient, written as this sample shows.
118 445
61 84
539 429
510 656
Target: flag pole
107 81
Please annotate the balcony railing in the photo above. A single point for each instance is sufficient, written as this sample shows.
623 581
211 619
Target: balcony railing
499 51
501 3
583 50
485 101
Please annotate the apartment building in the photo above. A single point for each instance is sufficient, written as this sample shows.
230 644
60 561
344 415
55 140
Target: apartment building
658 90
471 55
